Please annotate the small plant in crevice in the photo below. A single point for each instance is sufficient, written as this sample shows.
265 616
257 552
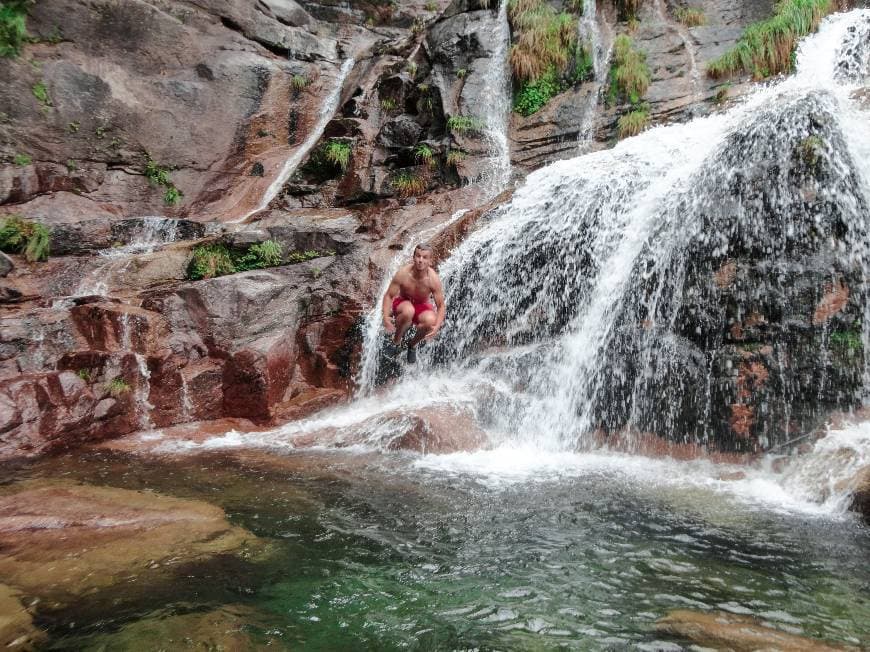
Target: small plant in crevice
22 160
40 92
73 127
18 235
158 175
117 386
411 69
632 123
465 124
389 104
299 82
13 27
309 254
627 10
851 342
259 256
424 154
409 185
210 260
84 374
811 150
455 157
767 48
462 73
431 6
722 93
690 16
71 166
338 153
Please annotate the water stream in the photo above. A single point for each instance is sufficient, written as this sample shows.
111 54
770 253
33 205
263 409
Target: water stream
497 107
327 110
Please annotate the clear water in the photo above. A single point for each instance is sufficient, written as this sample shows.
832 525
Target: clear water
388 552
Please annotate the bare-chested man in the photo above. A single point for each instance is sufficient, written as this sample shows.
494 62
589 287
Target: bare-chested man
407 301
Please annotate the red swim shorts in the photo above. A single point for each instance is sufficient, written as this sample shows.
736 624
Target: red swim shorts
419 308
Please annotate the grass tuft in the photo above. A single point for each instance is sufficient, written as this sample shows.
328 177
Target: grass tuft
117 386
40 92
544 39
209 261
462 124
632 123
22 160
455 157
767 48
629 74
338 153
18 235
689 16
409 185
424 154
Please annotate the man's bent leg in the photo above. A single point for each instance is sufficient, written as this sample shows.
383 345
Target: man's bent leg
404 317
425 324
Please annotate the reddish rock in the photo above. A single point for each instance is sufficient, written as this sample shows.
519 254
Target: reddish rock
861 493
724 630
833 301
742 418
438 431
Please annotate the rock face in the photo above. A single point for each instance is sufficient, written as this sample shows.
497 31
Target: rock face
66 540
767 315
722 630
861 494
16 624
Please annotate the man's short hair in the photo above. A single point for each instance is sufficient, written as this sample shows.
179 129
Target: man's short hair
423 247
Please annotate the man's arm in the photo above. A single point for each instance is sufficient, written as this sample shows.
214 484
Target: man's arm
438 295
387 304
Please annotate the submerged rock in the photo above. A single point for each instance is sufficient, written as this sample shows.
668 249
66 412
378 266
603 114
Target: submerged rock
727 631
16 624
64 540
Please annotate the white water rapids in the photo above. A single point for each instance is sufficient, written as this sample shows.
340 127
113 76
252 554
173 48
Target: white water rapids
538 293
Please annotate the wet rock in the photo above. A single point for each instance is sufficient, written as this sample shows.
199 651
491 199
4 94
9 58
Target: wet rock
861 494
438 431
65 540
723 630
220 629
6 264
17 631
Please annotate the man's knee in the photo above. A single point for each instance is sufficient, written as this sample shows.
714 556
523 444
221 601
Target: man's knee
426 320
405 311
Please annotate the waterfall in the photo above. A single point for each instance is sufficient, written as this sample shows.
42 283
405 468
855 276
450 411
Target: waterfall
497 106
327 110
589 35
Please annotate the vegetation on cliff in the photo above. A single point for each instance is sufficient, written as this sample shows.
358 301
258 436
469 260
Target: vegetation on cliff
767 47
217 259
18 235
629 82
546 57
13 26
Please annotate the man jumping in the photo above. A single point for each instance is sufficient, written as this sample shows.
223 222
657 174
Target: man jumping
407 301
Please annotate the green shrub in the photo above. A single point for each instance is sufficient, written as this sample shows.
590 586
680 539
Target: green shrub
767 48
455 157
117 386
627 9
18 235
534 94
462 124
40 92
409 185
299 82
632 123
158 175
209 261
850 341
810 150
259 256
424 154
22 160
216 259
338 152
13 26
388 104
689 16
629 74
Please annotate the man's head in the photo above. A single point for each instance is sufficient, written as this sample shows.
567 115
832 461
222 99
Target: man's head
422 257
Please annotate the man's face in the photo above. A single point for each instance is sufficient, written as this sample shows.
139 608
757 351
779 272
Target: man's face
422 259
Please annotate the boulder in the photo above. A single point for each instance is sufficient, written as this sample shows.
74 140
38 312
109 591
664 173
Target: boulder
6 264
861 493
64 540
724 630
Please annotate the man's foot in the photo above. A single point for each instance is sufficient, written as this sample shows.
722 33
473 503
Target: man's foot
391 349
412 354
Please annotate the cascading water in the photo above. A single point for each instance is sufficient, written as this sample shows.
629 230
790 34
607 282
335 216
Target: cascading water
596 301
327 110
497 106
598 47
